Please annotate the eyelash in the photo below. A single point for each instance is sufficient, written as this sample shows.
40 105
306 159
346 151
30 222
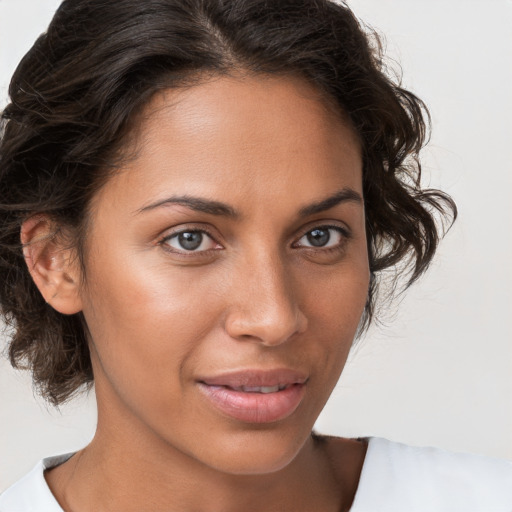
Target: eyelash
345 234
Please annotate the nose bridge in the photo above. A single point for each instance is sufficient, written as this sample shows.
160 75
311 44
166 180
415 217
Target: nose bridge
264 304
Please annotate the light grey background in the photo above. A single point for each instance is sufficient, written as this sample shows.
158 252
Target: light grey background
439 373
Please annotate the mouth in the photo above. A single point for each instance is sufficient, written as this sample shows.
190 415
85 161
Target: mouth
255 396
260 389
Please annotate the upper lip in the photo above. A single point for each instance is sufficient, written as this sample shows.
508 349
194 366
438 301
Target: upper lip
256 378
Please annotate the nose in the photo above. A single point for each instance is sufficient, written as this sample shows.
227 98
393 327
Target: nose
264 305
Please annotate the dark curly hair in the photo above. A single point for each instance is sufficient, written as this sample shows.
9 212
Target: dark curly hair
76 94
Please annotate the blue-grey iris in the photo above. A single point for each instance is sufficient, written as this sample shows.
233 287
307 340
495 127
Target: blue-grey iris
318 237
190 240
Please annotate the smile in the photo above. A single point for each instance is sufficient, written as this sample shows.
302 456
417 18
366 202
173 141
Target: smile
253 396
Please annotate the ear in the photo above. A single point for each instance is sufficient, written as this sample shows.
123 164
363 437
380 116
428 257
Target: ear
53 265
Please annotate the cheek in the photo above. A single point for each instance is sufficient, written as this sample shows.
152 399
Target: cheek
335 303
336 299
146 321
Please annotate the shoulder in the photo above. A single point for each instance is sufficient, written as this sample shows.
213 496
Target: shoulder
397 477
31 493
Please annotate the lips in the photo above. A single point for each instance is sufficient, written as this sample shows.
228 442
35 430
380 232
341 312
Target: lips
255 396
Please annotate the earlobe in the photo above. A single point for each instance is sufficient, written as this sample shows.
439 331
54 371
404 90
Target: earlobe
52 264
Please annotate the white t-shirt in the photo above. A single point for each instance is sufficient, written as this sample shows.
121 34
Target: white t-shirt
395 478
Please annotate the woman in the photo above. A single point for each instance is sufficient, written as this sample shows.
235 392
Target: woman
198 197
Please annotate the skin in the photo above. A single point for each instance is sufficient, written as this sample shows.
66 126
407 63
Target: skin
259 296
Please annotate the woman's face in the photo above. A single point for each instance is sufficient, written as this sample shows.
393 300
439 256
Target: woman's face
227 272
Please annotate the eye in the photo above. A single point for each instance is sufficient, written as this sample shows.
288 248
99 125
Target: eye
190 241
323 237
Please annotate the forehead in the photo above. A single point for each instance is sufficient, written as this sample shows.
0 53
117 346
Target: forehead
252 136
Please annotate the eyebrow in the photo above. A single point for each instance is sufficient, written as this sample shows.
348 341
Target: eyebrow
217 208
343 196
195 203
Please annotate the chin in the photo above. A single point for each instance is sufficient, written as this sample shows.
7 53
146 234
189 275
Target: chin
255 452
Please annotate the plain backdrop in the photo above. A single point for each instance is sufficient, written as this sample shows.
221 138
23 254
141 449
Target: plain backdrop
439 371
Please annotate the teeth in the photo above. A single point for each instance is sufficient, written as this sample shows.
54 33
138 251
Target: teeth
260 389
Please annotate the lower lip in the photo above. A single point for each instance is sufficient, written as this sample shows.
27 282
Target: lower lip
255 407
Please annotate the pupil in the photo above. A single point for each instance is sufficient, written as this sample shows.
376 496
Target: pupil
318 237
190 240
